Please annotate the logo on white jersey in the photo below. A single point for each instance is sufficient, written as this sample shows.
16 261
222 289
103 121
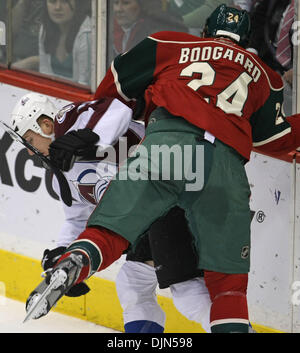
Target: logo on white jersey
61 115
85 185
91 183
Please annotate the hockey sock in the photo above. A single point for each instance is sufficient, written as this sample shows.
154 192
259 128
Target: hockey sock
143 326
100 246
229 310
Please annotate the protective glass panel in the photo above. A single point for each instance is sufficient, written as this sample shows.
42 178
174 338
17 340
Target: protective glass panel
53 37
130 21
273 34
3 26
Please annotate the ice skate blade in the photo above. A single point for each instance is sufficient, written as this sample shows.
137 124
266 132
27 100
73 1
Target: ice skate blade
58 278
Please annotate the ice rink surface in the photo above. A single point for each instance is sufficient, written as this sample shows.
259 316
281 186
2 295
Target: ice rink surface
12 314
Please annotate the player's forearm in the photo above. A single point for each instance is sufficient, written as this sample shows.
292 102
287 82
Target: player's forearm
287 143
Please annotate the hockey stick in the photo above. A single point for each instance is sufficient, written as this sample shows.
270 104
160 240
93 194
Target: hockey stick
65 191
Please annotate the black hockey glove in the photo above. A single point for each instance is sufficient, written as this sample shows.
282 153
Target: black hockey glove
64 149
50 257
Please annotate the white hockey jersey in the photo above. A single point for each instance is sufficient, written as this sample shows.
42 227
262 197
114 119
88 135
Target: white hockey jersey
110 119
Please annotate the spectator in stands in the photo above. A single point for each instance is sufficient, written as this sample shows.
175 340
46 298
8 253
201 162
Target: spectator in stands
270 19
26 21
136 19
64 41
3 11
3 20
266 17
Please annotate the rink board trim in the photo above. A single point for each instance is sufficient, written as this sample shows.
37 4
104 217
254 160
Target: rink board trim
21 274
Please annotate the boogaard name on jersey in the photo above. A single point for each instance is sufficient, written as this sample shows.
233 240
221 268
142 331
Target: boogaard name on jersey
216 53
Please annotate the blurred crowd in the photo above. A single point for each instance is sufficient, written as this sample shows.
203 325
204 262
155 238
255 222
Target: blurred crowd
54 36
50 36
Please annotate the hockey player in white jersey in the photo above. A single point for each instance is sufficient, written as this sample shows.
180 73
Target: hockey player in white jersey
40 122
82 129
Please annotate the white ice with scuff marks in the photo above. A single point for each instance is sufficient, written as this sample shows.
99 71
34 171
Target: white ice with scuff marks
12 314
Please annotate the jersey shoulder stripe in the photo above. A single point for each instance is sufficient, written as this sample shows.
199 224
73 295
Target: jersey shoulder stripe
273 138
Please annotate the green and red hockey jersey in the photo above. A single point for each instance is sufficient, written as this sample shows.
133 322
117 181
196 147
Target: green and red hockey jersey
212 83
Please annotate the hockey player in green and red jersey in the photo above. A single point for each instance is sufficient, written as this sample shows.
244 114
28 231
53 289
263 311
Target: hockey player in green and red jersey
211 95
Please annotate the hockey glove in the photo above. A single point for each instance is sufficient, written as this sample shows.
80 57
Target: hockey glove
64 149
50 257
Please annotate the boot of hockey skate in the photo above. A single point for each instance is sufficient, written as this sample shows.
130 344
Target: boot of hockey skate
58 281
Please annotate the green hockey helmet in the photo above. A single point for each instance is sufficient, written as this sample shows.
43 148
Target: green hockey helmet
229 22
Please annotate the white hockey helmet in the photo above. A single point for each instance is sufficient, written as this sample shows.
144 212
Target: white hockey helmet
27 111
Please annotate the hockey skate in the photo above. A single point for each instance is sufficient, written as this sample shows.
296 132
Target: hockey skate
57 282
